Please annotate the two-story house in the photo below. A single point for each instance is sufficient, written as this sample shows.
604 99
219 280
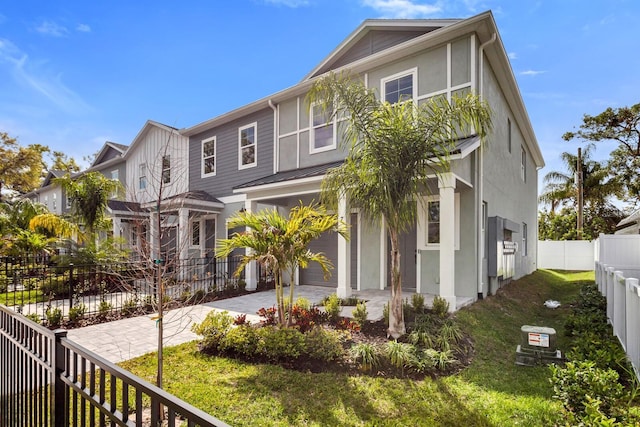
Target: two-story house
479 228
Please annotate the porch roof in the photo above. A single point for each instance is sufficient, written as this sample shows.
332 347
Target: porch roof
120 207
280 177
195 200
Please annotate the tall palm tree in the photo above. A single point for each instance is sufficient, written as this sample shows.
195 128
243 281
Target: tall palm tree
393 148
281 244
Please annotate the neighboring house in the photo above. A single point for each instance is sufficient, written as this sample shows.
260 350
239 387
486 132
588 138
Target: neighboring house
50 194
274 153
629 225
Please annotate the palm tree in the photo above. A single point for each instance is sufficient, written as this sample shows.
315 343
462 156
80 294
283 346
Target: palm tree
393 148
281 244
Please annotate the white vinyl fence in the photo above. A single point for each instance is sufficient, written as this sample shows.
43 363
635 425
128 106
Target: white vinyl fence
617 270
576 255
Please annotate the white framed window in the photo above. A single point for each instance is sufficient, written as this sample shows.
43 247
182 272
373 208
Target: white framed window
209 156
115 174
323 130
68 202
524 239
54 201
400 87
429 216
247 146
166 169
142 176
195 233
46 201
523 164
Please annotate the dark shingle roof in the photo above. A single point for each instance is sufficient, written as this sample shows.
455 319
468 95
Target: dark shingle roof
122 206
291 175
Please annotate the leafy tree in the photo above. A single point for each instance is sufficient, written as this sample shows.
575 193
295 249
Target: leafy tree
562 225
281 244
20 167
620 125
64 163
89 195
393 148
18 237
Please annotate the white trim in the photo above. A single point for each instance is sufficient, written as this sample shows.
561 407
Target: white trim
449 71
276 185
312 132
358 250
413 72
298 117
202 159
474 77
192 222
253 125
383 254
423 223
236 198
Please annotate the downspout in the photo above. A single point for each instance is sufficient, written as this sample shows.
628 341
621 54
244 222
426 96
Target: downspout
481 242
275 135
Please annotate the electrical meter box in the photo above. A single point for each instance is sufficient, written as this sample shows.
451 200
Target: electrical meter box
537 346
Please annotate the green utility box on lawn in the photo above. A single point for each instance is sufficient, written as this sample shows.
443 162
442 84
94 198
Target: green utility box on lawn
538 346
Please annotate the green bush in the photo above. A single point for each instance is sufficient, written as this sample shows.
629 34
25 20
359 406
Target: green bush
440 307
54 317
572 383
417 303
332 306
56 285
213 329
323 344
360 313
280 344
34 316
129 306
77 312
104 308
241 340
604 351
366 355
399 354
303 302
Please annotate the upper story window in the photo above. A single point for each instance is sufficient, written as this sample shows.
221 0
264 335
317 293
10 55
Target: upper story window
247 146
209 156
55 205
523 164
399 87
166 169
115 175
322 130
46 201
142 176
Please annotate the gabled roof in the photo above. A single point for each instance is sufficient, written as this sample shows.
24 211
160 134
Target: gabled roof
50 175
376 35
108 151
149 124
629 221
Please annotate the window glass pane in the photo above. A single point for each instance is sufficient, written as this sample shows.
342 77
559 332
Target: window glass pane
248 155
209 148
246 137
323 136
433 229
195 234
398 90
209 165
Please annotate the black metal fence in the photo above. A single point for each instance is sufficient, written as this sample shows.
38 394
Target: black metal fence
48 380
50 293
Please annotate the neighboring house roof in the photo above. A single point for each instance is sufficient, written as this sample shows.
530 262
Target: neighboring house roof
629 221
122 206
55 173
436 32
109 151
312 171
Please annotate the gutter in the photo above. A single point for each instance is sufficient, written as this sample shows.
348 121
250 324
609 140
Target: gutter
276 144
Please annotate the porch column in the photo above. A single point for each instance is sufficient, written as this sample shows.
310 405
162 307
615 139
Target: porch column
447 185
344 253
117 227
154 236
251 270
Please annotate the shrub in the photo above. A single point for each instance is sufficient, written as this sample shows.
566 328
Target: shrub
241 340
129 306
199 295
347 325
351 301
213 329
302 302
360 313
240 319
269 316
104 308
280 344
421 338
399 354
77 312
332 307
366 355
54 317
322 344
450 331
417 303
575 381
440 307
34 316
307 319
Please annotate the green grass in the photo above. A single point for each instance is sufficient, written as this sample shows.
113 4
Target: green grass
492 391
21 297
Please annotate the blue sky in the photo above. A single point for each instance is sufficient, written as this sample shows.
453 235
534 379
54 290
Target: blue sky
74 74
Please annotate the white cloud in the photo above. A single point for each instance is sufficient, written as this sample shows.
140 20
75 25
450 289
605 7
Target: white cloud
403 9
513 55
42 82
289 3
50 28
83 28
531 72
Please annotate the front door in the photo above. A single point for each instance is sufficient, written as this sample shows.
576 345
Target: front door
408 258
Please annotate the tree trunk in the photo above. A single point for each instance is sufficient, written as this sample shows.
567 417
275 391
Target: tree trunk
396 315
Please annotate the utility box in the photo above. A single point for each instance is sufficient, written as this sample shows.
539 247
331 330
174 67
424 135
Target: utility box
537 346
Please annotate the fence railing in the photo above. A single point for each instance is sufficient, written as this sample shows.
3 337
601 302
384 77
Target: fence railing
622 292
49 293
48 380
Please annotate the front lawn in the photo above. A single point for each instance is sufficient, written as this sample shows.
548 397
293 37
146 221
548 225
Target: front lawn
491 391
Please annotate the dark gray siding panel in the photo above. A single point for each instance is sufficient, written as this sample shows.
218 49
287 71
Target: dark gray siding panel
373 42
227 173
312 275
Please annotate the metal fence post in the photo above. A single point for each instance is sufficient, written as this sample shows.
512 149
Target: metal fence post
58 408
70 285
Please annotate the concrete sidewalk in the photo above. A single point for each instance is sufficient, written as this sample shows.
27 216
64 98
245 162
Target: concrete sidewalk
132 337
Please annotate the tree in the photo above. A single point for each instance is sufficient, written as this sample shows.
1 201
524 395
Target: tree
18 237
281 244
89 195
393 148
621 125
20 167
63 163
562 225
